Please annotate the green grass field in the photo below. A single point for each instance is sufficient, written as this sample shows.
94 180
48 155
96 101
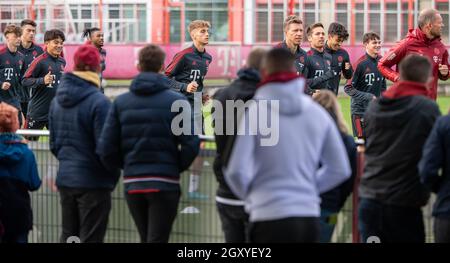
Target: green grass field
443 102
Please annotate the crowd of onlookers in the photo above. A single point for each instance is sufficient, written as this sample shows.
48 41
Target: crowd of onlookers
287 188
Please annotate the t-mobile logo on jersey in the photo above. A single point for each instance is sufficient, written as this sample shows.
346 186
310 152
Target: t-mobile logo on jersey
370 78
195 74
318 73
9 72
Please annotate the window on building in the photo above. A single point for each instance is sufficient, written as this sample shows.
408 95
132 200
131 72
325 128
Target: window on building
216 12
277 23
444 10
262 21
391 22
374 18
342 14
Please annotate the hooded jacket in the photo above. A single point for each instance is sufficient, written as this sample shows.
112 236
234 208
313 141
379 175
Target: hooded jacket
397 126
77 115
279 177
436 156
18 175
416 42
138 138
241 89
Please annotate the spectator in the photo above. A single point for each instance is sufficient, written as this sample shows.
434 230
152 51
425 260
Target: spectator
280 184
77 115
231 209
390 189
436 156
333 200
138 138
18 175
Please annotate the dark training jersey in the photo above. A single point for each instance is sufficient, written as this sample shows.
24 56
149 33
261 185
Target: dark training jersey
318 71
300 57
41 94
12 69
30 54
367 82
187 66
339 58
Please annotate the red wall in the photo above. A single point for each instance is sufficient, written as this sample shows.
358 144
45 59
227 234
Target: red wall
121 59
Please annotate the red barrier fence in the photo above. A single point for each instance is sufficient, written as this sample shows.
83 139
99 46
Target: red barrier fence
227 59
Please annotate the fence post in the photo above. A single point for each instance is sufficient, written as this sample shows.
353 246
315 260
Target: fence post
359 173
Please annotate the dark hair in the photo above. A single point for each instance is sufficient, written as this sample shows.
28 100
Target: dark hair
151 58
311 27
13 29
255 58
367 37
278 60
415 68
28 22
89 31
337 29
54 34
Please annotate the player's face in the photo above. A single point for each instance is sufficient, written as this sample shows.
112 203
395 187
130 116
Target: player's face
436 26
294 33
97 39
373 47
55 46
317 38
201 35
13 40
28 33
334 42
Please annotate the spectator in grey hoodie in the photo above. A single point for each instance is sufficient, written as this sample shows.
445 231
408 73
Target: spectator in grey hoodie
281 184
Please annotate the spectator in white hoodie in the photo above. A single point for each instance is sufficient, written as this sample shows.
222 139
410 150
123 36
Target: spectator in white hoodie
281 184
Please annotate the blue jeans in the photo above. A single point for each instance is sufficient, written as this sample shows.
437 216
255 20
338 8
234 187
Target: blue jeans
390 223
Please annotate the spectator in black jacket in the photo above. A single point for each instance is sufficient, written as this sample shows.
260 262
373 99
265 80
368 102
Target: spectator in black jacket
76 117
340 61
138 138
231 208
333 200
397 126
30 51
436 156
42 78
367 83
12 69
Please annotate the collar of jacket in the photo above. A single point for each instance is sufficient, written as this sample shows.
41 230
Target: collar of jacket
317 52
372 58
89 42
419 34
279 77
89 76
197 51
405 89
326 48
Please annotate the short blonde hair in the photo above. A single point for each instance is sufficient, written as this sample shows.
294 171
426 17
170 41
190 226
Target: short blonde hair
13 29
292 19
198 24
